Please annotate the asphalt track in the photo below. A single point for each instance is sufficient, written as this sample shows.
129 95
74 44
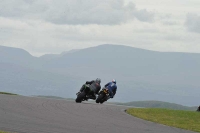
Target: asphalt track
21 114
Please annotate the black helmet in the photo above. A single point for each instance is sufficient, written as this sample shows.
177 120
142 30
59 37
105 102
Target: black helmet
98 80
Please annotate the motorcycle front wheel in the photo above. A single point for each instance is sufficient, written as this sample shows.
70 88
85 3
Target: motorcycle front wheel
99 99
80 97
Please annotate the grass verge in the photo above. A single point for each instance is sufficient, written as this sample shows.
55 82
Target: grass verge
3 132
7 94
189 120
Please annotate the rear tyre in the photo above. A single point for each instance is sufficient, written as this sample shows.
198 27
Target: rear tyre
80 97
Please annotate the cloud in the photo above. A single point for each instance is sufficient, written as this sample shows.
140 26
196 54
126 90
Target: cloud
193 23
144 15
75 12
49 26
170 22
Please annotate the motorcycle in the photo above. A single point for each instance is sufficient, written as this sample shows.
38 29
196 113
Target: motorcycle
103 96
85 94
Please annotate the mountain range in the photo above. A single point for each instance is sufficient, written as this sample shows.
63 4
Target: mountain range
140 74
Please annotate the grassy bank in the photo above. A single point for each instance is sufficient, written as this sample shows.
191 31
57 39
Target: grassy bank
3 132
189 120
6 93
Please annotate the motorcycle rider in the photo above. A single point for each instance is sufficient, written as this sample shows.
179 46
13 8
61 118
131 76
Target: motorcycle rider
94 85
112 88
198 109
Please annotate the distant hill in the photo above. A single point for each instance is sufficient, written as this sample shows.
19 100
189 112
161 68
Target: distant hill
48 57
141 74
16 56
158 104
70 51
30 81
117 61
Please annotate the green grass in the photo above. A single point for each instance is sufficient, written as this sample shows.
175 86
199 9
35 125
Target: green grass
189 120
3 132
6 93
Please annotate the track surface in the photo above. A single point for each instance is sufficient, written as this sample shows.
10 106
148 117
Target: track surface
21 114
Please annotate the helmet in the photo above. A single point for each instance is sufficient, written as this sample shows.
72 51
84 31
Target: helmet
114 81
98 80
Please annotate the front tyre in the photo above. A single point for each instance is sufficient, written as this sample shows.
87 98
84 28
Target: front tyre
103 100
100 97
80 97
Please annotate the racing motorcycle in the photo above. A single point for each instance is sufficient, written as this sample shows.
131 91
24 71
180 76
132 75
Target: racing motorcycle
103 96
85 94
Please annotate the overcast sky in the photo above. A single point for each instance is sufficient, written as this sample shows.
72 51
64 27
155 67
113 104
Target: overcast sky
54 26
